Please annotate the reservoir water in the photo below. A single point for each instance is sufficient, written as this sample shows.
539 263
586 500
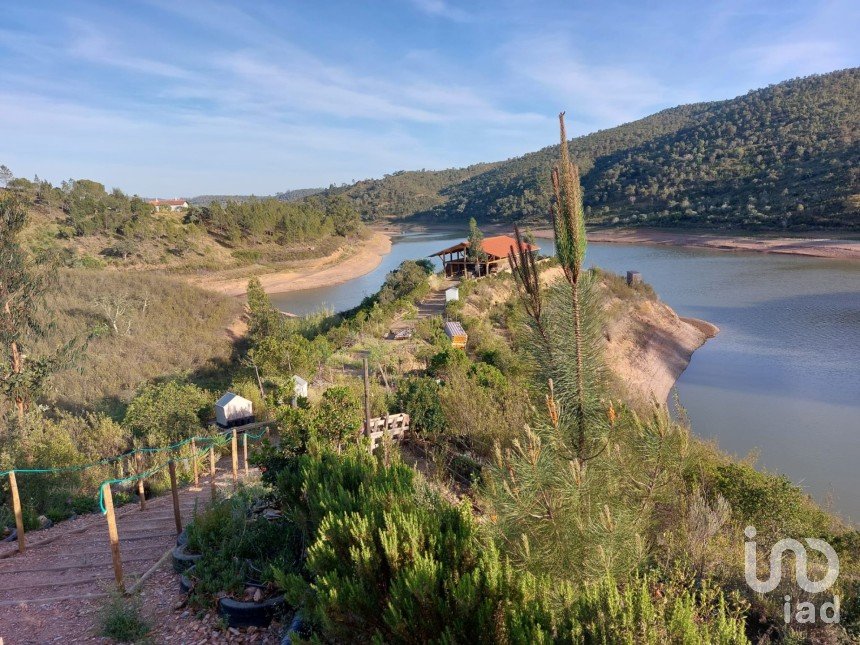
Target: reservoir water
782 378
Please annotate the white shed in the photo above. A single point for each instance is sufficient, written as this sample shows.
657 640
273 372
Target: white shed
300 386
452 294
232 410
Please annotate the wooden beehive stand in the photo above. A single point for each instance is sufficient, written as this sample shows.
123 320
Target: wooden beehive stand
394 426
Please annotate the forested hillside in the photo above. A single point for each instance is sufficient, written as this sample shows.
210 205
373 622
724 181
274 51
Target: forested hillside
407 192
783 157
286 196
80 223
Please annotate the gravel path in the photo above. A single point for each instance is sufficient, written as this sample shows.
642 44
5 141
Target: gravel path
53 592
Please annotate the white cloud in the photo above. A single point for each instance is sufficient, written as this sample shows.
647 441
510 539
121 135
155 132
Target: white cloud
442 9
796 58
219 154
89 44
598 96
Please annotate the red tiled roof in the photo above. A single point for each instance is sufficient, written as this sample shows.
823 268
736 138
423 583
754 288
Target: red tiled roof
501 244
497 246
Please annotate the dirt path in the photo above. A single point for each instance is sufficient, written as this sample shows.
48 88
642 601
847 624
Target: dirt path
335 269
433 303
53 592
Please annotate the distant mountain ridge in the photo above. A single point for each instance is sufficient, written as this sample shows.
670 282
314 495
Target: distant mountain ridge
785 157
296 195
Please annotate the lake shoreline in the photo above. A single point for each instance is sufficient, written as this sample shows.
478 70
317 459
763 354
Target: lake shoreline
821 247
329 271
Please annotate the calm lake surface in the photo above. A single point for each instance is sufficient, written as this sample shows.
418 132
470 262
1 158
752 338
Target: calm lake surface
783 376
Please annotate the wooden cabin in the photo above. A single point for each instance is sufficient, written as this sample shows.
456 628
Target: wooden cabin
495 249
457 334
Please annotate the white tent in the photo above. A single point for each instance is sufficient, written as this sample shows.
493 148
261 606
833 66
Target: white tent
232 409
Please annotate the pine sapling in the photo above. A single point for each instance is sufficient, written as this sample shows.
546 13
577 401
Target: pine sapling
569 225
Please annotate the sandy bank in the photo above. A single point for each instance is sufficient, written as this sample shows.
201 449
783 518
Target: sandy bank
648 346
840 249
336 268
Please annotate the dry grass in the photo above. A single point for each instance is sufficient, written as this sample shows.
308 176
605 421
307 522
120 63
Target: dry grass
142 326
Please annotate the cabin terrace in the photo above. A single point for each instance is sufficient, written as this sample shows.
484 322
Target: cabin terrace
494 256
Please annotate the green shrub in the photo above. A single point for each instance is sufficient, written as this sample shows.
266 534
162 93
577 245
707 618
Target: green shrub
487 376
465 469
339 418
247 255
87 261
418 396
649 613
771 503
208 530
449 358
61 441
239 545
391 561
120 619
483 410
406 281
164 413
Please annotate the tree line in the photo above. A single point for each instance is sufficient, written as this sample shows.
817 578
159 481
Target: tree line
781 157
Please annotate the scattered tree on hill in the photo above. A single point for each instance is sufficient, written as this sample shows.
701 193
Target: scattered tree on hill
5 176
22 290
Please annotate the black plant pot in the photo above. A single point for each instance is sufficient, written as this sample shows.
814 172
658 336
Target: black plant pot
186 584
250 614
182 560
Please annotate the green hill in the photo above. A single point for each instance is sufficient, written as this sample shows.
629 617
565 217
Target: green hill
783 157
404 193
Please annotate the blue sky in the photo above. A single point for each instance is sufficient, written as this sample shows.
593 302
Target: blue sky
183 97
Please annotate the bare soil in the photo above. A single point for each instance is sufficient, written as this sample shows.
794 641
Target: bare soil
339 267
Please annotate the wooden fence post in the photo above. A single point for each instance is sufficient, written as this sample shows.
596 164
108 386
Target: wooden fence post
141 492
367 404
16 507
194 462
234 447
113 536
171 466
212 469
245 452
